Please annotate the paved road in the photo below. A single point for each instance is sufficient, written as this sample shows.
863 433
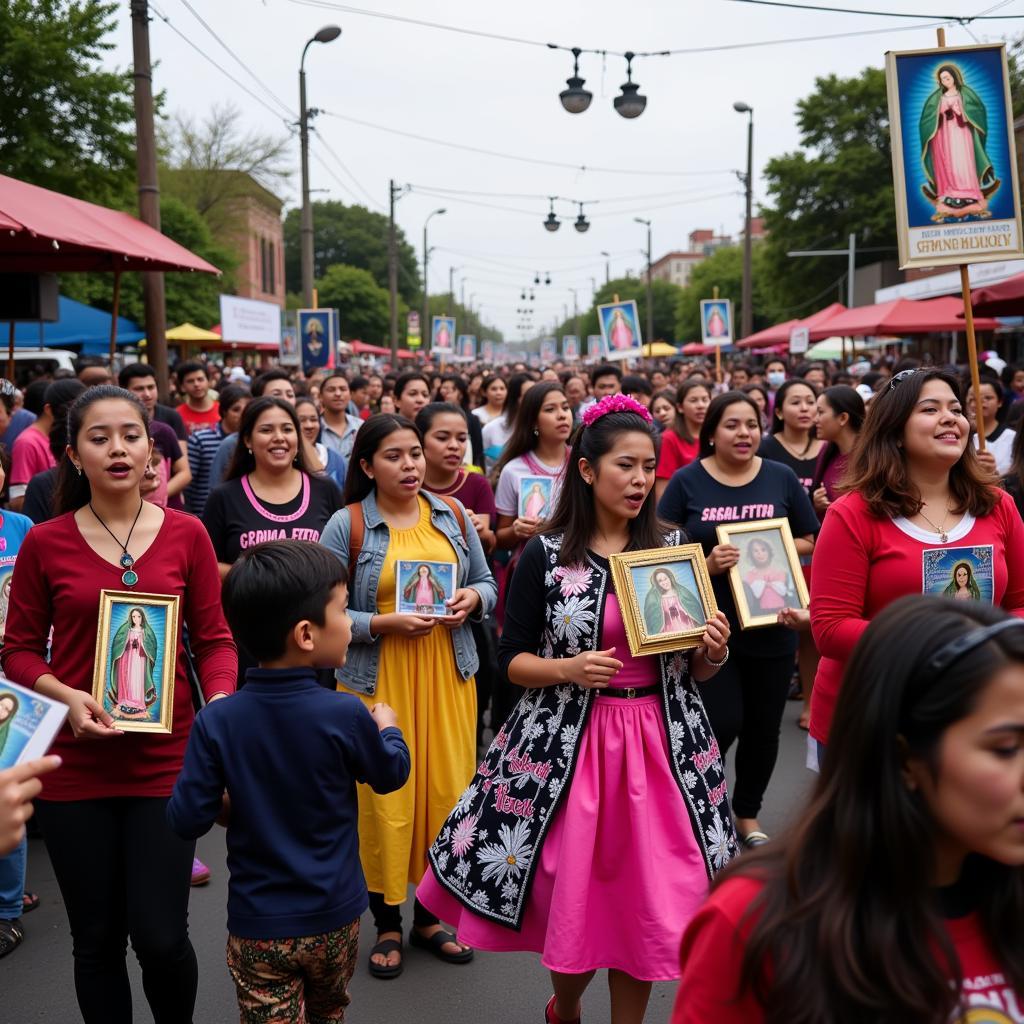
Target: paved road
37 983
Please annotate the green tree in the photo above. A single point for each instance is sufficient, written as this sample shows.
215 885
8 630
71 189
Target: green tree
354 236
664 293
839 184
66 122
361 302
212 164
193 297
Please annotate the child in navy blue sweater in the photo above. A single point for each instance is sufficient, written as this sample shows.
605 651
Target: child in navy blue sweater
289 754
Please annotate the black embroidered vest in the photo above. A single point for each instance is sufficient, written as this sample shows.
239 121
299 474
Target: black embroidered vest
489 848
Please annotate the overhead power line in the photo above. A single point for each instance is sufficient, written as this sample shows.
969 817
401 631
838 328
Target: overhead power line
962 19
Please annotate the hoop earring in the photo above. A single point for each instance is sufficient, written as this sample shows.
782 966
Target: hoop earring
79 468
536 432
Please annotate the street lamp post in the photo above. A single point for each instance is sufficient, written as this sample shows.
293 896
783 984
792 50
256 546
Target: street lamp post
451 288
326 35
575 312
607 266
426 259
650 290
747 321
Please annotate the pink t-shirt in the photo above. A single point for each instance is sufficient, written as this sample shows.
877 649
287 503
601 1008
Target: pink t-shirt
863 563
30 455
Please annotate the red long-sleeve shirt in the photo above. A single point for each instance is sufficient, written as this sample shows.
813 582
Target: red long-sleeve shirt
57 581
863 563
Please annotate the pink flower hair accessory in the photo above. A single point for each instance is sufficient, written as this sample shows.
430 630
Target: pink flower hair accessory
615 403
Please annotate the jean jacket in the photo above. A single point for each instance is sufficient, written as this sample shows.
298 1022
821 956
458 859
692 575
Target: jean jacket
360 670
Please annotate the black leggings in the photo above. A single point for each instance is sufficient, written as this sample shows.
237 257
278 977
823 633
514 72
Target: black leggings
745 701
388 918
123 873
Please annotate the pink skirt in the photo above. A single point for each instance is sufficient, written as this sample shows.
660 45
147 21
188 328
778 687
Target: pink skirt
620 874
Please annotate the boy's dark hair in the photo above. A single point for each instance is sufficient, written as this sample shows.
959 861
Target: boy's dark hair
605 370
183 369
135 371
260 383
275 585
35 396
632 383
358 384
228 395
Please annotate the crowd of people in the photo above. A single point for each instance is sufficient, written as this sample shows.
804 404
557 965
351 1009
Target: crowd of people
403 661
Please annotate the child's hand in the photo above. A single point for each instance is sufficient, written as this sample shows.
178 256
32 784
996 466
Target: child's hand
384 715
795 618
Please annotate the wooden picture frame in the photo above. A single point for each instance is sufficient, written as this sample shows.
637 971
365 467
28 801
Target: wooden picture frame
768 576
683 575
930 233
135 660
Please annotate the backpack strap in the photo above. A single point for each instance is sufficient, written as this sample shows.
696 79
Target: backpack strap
356 530
457 511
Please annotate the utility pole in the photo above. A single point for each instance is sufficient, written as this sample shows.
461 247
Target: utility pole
149 190
747 319
607 266
649 340
393 193
426 260
850 252
451 288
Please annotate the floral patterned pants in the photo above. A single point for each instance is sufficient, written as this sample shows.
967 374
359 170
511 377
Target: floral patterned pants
294 980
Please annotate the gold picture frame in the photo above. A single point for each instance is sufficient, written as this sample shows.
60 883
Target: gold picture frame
929 234
136 655
789 591
683 575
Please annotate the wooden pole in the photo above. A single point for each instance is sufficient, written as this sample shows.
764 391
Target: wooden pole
113 325
10 353
718 348
972 352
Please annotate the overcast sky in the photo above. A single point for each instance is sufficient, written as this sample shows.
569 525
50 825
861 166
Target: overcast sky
503 96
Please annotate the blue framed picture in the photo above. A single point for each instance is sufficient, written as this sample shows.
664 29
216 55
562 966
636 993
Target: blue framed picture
954 158
28 723
442 335
424 587
570 347
548 350
620 328
716 321
316 337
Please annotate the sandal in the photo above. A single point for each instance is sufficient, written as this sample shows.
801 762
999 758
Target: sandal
435 944
804 721
551 1018
29 902
11 936
382 948
752 840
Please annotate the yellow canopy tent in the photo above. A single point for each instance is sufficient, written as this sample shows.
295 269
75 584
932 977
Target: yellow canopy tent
660 348
188 334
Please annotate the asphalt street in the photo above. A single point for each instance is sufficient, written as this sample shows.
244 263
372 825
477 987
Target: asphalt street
36 981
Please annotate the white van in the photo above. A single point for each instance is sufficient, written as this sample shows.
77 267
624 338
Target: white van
42 361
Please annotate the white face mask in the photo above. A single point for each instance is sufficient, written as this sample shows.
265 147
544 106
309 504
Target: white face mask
776 379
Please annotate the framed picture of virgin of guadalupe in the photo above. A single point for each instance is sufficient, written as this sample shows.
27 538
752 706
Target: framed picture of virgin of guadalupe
954 156
665 597
133 673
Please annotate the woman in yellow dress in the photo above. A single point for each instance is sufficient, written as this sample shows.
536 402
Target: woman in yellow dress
423 666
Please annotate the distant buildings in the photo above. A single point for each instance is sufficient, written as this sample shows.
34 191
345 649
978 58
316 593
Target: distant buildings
676 267
255 231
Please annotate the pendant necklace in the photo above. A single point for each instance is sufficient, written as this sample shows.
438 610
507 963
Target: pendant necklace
940 530
129 577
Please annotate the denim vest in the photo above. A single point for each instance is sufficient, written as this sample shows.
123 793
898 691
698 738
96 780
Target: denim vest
360 670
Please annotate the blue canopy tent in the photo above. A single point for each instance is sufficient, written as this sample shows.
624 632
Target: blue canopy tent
80 327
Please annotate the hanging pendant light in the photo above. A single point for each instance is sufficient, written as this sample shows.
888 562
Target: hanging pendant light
630 104
575 99
551 222
581 224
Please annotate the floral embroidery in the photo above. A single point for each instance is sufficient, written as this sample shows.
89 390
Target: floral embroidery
676 735
720 843
480 898
572 618
689 779
510 855
466 800
568 738
442 859
464 835
462 869
510 889
574 579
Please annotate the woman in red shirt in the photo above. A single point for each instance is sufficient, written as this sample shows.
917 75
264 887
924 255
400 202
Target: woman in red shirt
918 503
898 898
122 872
680 444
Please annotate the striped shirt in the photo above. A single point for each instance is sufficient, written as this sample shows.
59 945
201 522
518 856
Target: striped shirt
202 448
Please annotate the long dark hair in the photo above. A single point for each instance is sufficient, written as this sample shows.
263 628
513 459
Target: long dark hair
878 467
716 410
370 437
426 416
460 385
514 395
522 439
841 398
846 927
678 424
242 460
72 491
60 396
575 516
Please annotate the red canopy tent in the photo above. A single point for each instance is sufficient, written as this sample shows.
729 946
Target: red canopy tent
695 348
1003 299
365 348
44 231
899 317
779 334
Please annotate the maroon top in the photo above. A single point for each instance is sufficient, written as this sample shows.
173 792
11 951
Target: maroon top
57 581
475 493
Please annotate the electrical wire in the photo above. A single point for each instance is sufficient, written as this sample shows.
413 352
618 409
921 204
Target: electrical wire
604 52
238 60
514 156
341 163
220 67
960 19
566 199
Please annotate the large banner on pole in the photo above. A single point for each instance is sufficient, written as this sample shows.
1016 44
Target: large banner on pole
316 338
954 158
716 321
